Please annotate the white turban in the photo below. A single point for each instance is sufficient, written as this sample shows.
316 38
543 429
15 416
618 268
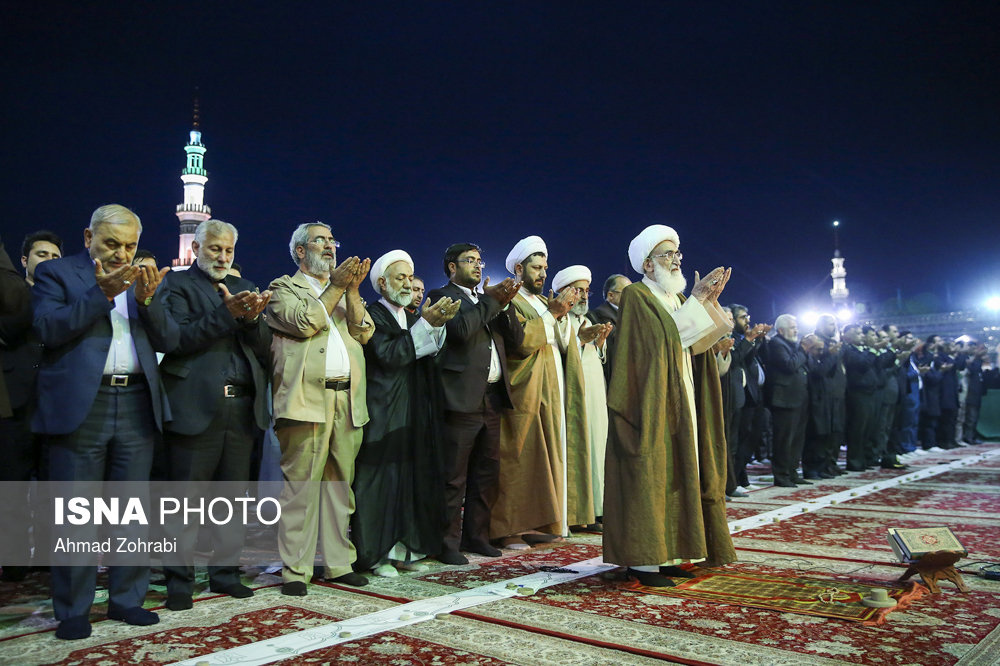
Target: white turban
386 260
643 244
569 275
524 249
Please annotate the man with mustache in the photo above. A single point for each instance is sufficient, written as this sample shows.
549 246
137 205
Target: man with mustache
216 383
664 493
531 507
399 479
100 399
319 323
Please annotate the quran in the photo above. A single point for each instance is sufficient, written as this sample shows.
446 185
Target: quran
912 543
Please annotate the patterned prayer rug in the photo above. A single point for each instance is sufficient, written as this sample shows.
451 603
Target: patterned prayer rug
805 596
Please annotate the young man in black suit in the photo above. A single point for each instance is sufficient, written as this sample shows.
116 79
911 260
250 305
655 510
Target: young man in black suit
476 388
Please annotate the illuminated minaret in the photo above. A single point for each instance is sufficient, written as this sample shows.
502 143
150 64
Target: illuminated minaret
839 292
193 211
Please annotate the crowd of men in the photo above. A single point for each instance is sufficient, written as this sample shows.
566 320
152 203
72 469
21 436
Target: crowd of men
490 417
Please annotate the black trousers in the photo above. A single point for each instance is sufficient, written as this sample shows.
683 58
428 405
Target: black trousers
862 419
946 428
222 453
751 418
472 464
789 438
969 433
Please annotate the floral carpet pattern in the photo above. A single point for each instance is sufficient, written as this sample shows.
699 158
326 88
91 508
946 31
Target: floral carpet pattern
604 619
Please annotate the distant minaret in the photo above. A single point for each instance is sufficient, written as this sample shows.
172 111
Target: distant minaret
193 211
839 292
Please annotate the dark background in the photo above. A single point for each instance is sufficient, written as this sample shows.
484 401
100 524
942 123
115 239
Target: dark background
748 126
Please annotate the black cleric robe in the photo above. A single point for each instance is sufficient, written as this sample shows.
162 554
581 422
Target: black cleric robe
399 472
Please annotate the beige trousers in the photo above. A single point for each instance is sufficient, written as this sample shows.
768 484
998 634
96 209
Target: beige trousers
317 463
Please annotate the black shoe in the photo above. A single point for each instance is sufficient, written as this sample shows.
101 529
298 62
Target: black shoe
452 557
677 572
296 588
481 548
892 464
784 484
178 602
235 590
802 482
813 477
827 475
351 578
14 574
136 616
856 469
74 628
650 578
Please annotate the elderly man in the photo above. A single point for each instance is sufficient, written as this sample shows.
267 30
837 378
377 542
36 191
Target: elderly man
216 383
399 478
318 383
787 390
592 349
21 353
477 390
100 400
607 313
533 497
664 497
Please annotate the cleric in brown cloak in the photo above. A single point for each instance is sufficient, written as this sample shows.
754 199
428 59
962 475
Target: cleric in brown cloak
665 469
399 471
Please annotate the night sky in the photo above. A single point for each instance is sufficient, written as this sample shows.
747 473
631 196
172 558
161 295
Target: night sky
747 126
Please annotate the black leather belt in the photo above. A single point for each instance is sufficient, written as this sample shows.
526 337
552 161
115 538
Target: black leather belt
236 391
122 380
338 384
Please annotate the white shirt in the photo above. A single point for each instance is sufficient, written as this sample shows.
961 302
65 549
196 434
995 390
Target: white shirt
338 364
495 372
122 358
427 340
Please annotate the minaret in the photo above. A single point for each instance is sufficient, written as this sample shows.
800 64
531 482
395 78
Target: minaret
839 292
193 211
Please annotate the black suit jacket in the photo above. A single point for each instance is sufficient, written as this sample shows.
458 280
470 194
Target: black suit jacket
465 359
15 318
195 372
787 374
606 314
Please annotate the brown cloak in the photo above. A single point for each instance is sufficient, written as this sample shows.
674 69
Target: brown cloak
531 464
662 499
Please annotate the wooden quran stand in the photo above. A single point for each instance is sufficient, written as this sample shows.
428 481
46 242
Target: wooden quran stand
935 566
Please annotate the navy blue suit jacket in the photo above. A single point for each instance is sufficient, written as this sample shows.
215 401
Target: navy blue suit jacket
73 321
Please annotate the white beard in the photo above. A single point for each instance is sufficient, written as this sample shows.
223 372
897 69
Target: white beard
579 308
317 264
672 283
401 297
207 266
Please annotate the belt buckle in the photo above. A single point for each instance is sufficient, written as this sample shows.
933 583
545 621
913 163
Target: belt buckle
229 391
119 380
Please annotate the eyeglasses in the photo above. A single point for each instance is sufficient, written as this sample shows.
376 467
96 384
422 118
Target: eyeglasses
472 262
582 291
323 240
669 255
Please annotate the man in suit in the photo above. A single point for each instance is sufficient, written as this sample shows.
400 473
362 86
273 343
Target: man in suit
100 400
21 352
748 342
476 391
318 381
217 387
607 313
788 394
